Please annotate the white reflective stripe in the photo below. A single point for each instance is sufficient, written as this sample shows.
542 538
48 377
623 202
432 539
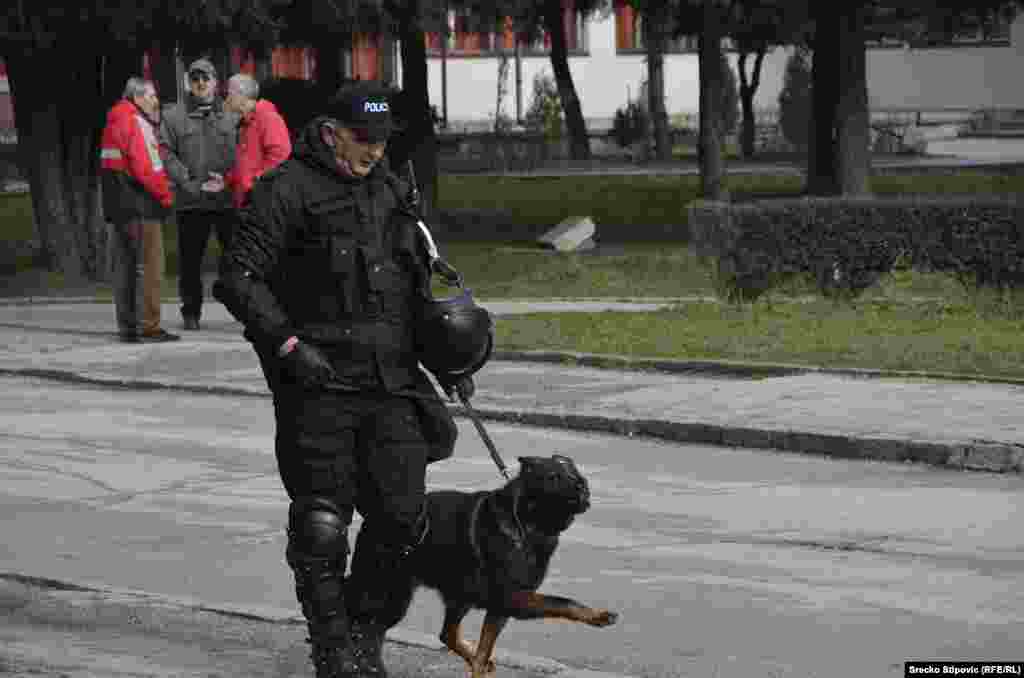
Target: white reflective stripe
110 154
431 247
150 139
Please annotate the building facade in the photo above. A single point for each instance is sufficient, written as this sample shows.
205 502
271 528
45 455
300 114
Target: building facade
966 72
606 57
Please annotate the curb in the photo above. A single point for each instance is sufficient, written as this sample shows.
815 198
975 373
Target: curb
735 369
396 636
977 455
968 455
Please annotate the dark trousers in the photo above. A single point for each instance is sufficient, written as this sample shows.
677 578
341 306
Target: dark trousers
194 228
364 452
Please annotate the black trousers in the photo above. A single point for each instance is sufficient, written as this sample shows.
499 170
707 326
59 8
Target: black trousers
365 452
194 228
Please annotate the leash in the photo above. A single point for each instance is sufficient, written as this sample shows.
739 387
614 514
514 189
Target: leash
484 436
454 279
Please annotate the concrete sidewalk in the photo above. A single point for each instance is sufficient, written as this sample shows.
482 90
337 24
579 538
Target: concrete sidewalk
850 413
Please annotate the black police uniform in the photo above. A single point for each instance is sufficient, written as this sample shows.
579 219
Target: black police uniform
334 261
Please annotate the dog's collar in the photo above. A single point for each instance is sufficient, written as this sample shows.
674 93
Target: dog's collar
518 538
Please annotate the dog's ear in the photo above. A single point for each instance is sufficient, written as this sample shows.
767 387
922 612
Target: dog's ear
527 463
564 461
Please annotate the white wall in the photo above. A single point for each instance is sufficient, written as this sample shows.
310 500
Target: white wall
967 77
960 77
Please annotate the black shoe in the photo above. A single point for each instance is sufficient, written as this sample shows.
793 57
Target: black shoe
157 337
190 323
128 337
332 654
368 647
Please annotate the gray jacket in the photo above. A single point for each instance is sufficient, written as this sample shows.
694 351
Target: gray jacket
196 142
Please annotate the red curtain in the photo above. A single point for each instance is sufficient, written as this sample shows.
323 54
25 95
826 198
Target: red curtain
365 60
291 62
624 19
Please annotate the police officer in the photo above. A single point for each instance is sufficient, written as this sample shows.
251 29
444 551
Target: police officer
329 274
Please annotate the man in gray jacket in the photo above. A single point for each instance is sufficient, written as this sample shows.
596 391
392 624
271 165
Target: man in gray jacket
198 138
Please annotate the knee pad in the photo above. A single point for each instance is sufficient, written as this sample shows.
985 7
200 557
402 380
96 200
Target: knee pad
318 528
318 553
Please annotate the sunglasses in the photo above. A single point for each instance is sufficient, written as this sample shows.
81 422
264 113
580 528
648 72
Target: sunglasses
199 77
363 137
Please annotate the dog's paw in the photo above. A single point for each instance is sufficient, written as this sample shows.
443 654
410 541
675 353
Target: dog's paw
603 618
488 669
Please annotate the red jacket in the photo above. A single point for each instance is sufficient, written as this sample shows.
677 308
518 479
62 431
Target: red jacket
263 143
135 183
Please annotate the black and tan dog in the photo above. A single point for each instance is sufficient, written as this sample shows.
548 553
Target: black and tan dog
491 550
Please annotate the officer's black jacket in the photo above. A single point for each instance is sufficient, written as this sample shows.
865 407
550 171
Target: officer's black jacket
333 260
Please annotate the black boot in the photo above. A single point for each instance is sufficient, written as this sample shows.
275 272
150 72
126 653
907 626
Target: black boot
368 647
320 590
332 652
378 593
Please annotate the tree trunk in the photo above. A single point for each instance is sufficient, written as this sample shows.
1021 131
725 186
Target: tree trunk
853 129
710 142
418 142
822 171
748 88
579 140
329 75
58 140
655 28
164 66
119 64
263 65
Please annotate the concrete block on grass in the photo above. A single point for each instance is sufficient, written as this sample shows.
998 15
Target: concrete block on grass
570 235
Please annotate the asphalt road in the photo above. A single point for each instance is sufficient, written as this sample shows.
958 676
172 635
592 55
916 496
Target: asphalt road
722 562
72 633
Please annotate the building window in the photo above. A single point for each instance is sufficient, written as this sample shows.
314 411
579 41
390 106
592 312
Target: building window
295 63
462 41
629 33
365 64
992 31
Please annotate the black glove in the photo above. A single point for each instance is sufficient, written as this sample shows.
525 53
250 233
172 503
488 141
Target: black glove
452 384
308 365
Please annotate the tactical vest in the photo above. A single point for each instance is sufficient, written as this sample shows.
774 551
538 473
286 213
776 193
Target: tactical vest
348 280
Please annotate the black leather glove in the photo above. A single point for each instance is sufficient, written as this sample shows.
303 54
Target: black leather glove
462 385
308 365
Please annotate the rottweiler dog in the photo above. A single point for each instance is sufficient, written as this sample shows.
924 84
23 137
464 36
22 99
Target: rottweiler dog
491 550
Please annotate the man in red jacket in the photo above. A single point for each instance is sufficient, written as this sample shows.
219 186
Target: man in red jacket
263 140
136 198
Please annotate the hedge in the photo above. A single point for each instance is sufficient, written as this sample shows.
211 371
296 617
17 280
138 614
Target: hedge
846 244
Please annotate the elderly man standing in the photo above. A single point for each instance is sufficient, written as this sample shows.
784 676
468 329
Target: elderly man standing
198 137
263 141
136 197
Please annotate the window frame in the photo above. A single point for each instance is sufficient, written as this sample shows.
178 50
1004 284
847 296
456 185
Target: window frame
503 43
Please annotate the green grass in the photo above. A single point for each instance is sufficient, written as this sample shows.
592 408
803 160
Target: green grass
933 337
15 217
657 200
522 270
639 200
909 321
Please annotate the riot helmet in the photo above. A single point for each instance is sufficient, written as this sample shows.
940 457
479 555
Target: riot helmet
454 336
